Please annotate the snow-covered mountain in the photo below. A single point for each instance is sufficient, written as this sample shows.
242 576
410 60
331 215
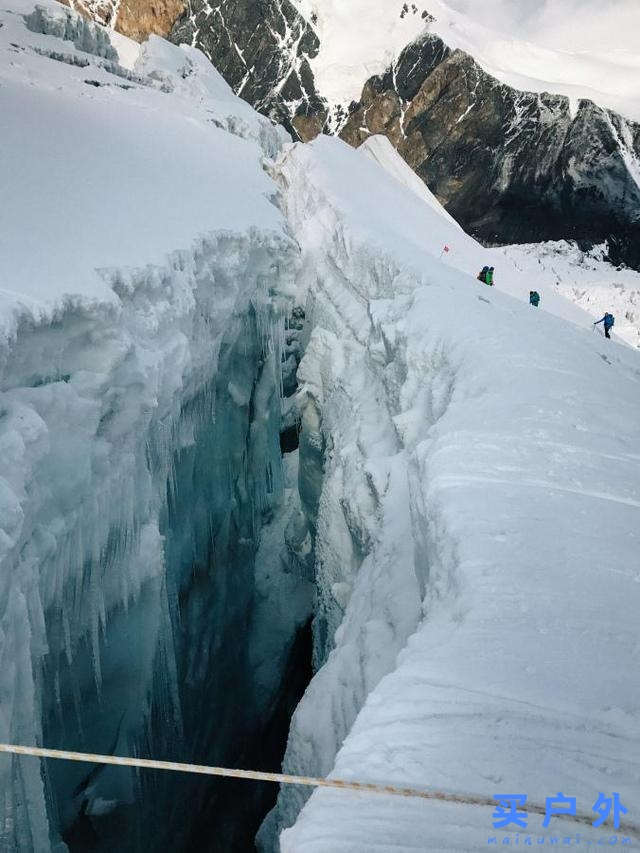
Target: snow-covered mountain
518 143
263 50
266 443
361 38
521 143
350 42
510 166
586 278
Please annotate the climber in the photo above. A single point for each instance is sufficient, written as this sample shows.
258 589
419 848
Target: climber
608 321
534 298
489 277
482 276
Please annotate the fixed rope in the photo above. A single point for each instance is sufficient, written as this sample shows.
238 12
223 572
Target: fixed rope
287 779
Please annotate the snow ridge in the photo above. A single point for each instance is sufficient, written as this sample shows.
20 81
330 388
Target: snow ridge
472 473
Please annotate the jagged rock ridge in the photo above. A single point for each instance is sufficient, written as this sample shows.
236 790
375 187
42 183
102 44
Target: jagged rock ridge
262 49
510 166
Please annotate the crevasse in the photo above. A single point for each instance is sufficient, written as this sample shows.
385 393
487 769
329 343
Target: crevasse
138 491
149 278
462 498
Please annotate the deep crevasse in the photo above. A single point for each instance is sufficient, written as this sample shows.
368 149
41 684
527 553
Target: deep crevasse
149 274
93 567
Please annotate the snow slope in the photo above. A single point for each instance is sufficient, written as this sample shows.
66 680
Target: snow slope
113 139
357 40
477 524
380 149
344 63
587 279
468 256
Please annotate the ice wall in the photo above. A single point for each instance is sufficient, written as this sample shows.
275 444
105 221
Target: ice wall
148 276
136 484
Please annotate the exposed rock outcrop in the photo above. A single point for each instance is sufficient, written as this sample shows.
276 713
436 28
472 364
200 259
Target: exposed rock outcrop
510 166
137 19
262 49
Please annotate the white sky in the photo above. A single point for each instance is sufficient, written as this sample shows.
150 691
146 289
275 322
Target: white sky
578 48
567 24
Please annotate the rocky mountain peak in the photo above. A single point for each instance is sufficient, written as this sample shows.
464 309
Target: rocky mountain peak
263 50
509 165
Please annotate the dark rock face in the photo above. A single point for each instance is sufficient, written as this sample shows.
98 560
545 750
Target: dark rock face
262 49
510 166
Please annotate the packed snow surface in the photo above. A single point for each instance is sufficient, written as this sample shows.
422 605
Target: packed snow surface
586 278
477 557
361 38
89 160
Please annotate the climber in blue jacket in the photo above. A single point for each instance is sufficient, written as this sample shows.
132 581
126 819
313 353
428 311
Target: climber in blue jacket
608 321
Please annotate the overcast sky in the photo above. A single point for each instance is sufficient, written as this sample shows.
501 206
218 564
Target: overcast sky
570 24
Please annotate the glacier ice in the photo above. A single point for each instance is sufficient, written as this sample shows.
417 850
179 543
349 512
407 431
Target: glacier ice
142 329
459 518
66 25
476 550
135 474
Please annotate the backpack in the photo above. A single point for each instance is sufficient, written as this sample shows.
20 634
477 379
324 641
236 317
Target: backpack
609 320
